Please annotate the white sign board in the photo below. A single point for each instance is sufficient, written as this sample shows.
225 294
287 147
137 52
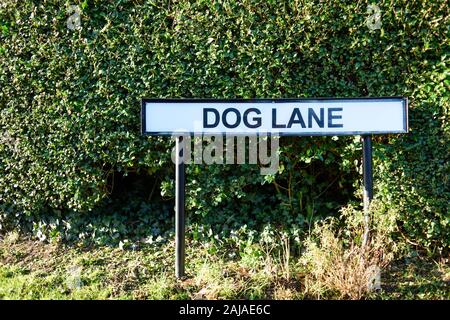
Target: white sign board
300 117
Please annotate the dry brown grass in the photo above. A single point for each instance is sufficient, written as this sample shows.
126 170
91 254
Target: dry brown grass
339 265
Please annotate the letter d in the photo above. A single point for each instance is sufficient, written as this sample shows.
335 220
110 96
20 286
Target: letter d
205 118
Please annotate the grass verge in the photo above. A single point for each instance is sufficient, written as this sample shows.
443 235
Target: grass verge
35 270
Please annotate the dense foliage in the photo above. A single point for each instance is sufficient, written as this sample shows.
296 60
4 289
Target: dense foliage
73 163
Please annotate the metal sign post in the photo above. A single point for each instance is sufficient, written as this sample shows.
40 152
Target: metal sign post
283 117
179 208
368 183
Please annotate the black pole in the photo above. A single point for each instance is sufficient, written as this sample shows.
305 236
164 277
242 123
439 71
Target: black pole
368 183
179 208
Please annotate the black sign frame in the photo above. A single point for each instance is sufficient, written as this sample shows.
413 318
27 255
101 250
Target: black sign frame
404 100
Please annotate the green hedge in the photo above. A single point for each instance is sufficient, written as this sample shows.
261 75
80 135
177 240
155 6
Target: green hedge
70 104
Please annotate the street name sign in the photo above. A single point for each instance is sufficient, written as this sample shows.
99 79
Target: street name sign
298 117
278 117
